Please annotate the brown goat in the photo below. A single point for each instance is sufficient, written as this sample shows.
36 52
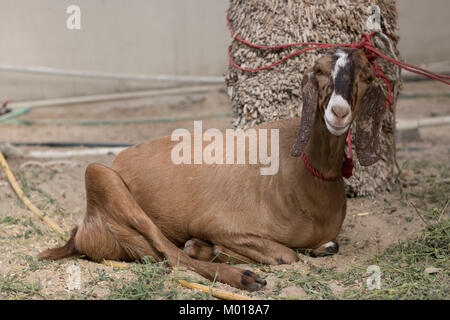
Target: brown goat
145 205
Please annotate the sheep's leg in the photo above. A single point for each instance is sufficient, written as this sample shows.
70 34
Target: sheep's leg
329 248
111 207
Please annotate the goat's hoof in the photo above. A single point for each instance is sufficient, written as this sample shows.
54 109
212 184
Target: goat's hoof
198 249
251 281
189 247
326 249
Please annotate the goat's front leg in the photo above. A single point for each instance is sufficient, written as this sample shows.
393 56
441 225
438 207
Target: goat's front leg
201 250
326 249
255 249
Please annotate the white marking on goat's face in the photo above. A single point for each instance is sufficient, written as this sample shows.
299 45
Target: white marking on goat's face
338 113
340 62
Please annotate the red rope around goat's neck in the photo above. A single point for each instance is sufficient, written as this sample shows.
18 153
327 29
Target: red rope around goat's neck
315 171
371 54
347 166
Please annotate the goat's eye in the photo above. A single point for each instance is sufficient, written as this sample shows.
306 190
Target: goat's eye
319 72
370 79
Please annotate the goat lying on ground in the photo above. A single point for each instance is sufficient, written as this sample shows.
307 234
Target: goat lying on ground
145 205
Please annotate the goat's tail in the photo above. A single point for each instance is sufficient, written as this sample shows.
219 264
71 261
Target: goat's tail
68 250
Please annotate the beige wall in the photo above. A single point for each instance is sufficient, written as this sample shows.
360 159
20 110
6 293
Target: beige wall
424 30
175 37
132 36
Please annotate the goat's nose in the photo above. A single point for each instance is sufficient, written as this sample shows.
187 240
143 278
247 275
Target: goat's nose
340 112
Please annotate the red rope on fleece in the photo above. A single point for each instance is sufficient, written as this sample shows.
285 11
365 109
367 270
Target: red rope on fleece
371 54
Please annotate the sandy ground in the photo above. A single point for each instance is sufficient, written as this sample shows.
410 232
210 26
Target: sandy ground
57 187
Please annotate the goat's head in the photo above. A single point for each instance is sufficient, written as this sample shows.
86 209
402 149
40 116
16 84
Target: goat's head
341 87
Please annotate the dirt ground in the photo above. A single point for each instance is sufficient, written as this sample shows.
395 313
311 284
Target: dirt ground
57 187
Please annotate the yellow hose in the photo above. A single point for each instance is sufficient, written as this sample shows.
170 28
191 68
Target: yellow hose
117 264
221 294
63 235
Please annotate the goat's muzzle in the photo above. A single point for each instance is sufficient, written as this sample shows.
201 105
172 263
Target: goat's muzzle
338 115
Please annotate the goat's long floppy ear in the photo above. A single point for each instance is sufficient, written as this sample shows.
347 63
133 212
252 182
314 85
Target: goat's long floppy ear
310 97
368 125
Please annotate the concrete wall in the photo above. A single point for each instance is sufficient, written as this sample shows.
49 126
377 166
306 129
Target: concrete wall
131 36
424 31
175 37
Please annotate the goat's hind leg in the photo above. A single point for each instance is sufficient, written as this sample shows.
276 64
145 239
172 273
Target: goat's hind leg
109 198
105 232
